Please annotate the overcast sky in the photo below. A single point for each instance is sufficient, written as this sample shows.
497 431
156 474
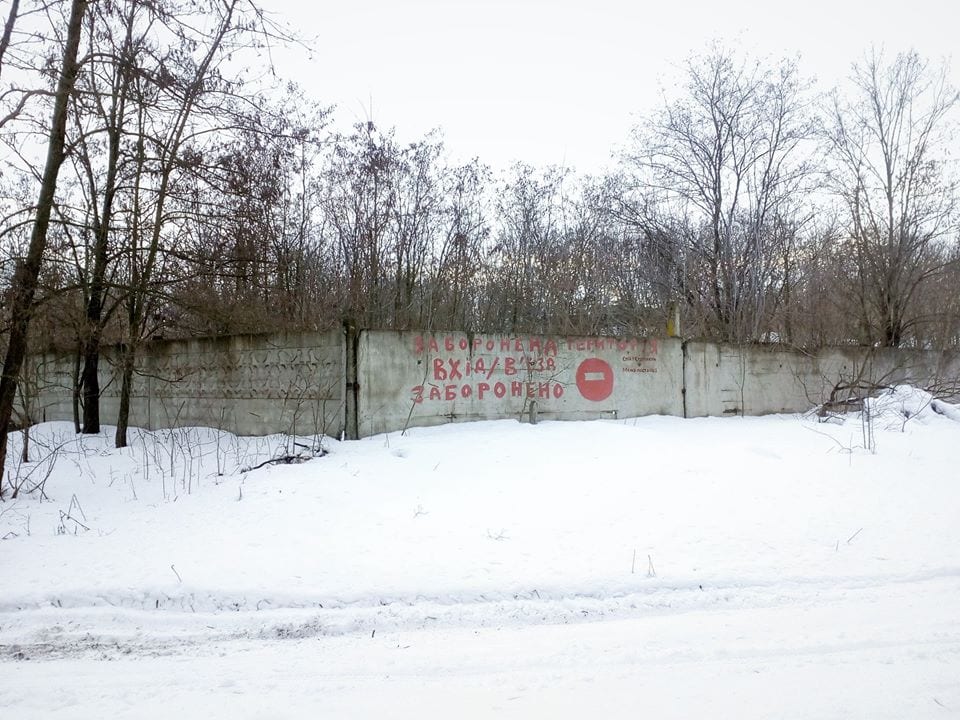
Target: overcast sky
562 82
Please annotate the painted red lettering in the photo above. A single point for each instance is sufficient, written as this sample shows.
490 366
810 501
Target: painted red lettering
480 367
516 389
500 390
464 344
439 371
434 392
481 389
450 392
543 390
448 344
455 373
551 364
418 344
433 345
466 391
557 390
509 366
505 345
418 394
490 345
535 345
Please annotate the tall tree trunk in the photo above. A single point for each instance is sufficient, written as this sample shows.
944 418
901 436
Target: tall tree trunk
95 301
90 379
8 29
77 359
126 384
27 272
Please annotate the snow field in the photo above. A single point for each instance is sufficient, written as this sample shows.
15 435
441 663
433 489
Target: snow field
742 567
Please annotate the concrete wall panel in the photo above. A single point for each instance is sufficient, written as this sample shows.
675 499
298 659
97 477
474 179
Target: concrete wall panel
248 384
409 379
757 380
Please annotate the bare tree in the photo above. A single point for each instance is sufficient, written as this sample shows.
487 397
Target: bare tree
456 270
116 38
415 216
28 271
19 49
252 226
722 163
8 26
888 136
182 94
527 240
359 205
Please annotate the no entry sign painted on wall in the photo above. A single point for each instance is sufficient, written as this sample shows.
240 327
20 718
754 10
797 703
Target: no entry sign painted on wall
488 369
595 379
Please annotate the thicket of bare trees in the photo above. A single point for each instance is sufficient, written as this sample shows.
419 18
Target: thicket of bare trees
888 136
720 180
191 200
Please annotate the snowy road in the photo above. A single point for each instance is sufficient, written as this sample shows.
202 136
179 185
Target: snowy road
888 651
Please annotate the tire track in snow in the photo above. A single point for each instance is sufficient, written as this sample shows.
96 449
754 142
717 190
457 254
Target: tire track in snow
40 632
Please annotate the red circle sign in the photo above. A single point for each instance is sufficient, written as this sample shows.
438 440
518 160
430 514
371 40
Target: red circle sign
595 379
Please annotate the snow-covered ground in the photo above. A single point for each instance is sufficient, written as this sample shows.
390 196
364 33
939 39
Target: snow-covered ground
741 567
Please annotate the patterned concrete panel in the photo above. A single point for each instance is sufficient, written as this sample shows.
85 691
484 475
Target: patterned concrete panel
247 384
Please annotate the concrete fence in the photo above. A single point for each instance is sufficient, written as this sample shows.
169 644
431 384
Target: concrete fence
358 384
412 379
248 384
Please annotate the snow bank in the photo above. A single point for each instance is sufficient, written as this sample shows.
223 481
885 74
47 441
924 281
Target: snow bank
481 514
901 403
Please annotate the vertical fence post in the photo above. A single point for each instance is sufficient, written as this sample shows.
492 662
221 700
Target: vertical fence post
352 389
684 359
